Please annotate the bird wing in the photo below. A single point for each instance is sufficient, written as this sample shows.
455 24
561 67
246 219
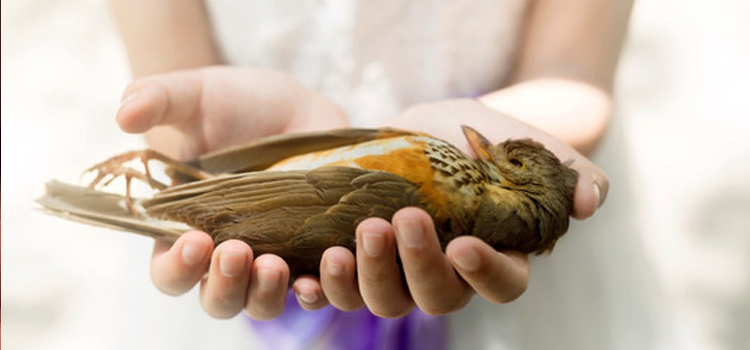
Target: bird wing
294 214
263 153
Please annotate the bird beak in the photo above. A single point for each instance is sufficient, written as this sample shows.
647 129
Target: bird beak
478 143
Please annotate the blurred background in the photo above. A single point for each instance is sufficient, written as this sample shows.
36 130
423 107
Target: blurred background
682 94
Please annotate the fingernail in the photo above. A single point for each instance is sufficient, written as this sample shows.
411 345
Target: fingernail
268 280
308 298
467 260
411 233
373 244
192 254
232 264
597 195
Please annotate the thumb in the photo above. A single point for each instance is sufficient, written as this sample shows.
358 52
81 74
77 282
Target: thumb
165 99
591 190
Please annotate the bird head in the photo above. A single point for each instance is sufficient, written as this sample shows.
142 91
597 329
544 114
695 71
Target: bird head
527 169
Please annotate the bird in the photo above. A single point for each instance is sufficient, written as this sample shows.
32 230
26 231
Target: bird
296 195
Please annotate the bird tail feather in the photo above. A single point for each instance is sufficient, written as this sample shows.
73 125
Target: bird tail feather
108 210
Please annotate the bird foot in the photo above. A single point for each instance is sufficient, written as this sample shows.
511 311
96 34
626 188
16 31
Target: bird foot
112 168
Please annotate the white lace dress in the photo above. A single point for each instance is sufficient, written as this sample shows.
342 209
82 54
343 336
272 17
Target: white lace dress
377 57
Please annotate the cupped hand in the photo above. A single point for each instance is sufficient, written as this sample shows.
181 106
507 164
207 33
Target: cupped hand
188 113
438 283
185 114
443 119
231 278
435 281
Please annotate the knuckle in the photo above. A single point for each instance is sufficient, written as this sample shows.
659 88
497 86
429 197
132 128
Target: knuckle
367 280
374 276
424 267
422 261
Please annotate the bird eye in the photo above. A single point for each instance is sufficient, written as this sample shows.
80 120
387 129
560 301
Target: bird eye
517 163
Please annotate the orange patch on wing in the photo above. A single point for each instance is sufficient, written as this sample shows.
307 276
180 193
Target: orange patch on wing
412 164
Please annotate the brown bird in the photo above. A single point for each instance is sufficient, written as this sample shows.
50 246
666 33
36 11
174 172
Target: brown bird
296 195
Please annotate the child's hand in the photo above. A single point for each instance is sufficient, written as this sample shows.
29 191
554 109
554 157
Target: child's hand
436 282
443 120
189 113
439 283
185 114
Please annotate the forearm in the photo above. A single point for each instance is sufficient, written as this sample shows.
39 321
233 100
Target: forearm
565 71
165 35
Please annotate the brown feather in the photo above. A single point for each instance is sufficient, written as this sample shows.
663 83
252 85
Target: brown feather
294 214
519 196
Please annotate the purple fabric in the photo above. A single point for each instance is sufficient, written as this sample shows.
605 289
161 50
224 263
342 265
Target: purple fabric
297 328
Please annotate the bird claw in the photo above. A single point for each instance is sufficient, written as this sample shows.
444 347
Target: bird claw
112 168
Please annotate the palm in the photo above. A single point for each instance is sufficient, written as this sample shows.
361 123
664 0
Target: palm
186 114
443 119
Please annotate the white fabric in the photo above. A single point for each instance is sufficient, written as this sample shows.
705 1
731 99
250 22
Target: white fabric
375 57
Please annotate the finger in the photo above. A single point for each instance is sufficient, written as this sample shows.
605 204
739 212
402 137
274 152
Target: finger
176 268
379 276
223 293
434 285
338 279
496 276
165 99
268 287
593 184
309 293
591 189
